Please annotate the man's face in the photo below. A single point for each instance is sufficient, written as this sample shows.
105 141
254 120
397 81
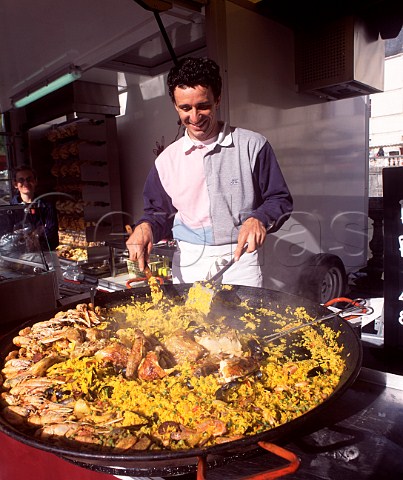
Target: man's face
197 111
25 182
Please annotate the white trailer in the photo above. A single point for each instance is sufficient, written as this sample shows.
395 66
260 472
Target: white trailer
322 147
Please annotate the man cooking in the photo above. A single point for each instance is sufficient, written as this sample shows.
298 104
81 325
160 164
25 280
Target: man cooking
217 191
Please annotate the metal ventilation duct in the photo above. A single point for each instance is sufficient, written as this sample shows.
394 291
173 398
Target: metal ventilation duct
339 60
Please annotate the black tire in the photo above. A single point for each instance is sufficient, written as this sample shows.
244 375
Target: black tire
324 279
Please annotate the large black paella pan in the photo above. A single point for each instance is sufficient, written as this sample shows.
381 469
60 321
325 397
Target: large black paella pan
177 462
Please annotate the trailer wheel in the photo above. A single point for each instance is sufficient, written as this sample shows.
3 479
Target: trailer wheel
324 279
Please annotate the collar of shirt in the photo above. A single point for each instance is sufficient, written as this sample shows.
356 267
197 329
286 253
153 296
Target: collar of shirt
224 138
17 200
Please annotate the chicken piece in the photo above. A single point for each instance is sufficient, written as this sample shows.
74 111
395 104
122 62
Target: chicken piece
227 343
115 353
214 426
88 349
237 367
206 366
136 354
126 443
94 334
149 368
191 437
182 345
142 444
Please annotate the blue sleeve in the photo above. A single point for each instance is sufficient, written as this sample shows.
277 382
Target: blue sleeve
158 209
273 200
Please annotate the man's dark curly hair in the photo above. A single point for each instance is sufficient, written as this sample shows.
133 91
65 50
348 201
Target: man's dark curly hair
191 71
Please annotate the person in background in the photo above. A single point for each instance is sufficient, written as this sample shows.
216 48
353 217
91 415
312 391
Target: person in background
41 214
380 153
218 190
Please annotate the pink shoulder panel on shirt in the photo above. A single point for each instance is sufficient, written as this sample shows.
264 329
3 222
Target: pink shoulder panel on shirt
183 178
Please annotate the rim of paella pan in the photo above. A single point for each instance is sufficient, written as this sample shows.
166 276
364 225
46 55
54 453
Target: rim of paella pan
225 449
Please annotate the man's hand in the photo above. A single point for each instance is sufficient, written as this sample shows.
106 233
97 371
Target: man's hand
140 244
253 233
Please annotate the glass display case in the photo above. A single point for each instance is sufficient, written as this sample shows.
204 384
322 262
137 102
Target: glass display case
28 284
5 189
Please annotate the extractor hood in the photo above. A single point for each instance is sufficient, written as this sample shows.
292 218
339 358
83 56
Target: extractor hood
341 59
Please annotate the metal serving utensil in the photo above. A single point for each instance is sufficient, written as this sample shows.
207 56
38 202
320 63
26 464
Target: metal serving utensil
358 308
93 291
153 281
201 293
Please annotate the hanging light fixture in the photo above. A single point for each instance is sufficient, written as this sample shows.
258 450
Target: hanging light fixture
51 84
